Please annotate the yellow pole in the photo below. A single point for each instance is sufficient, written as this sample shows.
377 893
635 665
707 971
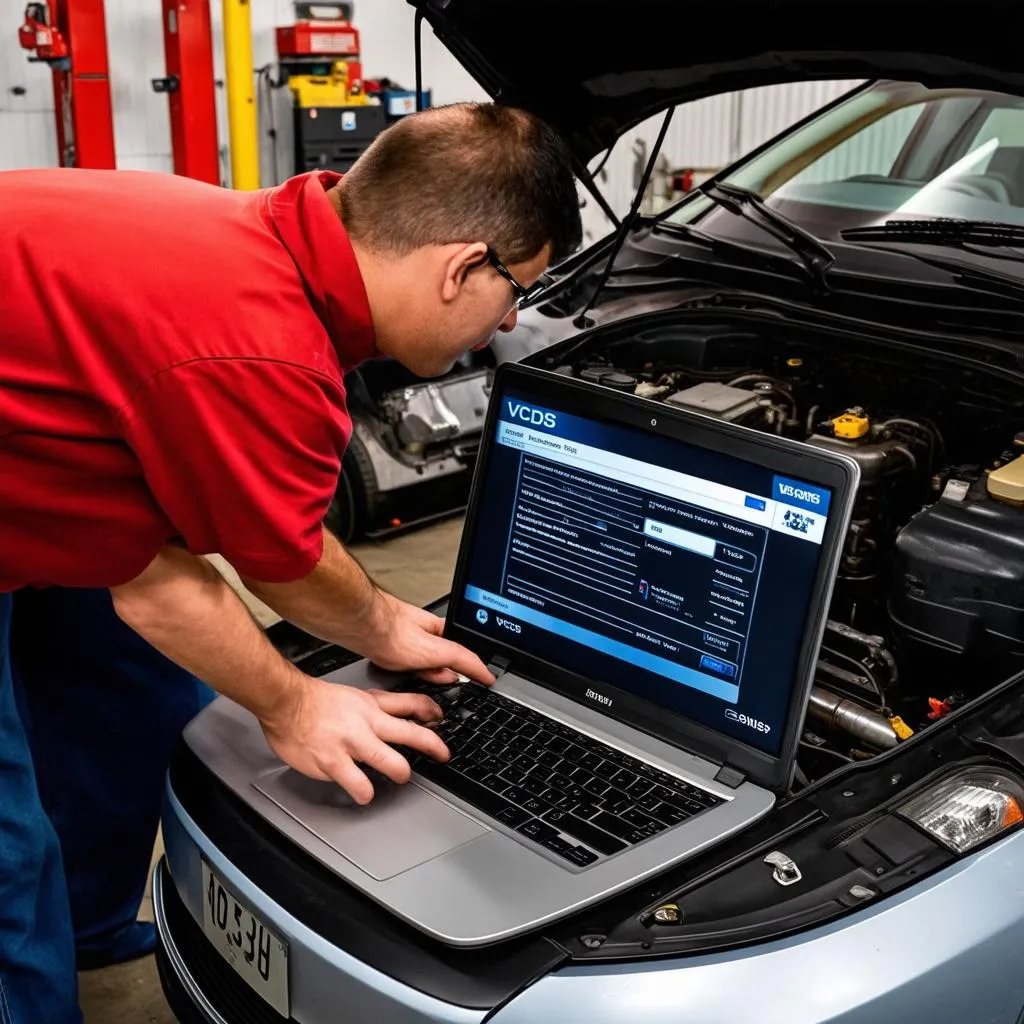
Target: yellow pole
243 127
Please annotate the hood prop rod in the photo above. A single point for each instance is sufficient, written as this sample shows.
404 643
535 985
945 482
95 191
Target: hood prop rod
418 45
582 320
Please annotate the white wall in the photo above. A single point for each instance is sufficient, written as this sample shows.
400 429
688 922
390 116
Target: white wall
709 132
27 135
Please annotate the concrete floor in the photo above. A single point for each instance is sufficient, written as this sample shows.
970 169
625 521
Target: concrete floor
416 567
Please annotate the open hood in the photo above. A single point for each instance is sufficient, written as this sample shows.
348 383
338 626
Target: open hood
594 69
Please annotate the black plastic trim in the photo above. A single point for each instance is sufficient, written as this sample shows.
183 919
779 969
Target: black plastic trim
843 807
185 1011
477 979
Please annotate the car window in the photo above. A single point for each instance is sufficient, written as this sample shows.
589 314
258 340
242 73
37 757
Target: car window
1004 124
892 150
870 153
1001 136
934 150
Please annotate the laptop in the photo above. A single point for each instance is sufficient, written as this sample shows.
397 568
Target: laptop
650 588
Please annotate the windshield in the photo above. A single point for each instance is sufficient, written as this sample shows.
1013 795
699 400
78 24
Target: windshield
894 150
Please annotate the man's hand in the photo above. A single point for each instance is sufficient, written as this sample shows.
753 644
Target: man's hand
331 729
407 638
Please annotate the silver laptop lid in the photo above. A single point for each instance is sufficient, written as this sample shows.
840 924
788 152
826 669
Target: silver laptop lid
668 568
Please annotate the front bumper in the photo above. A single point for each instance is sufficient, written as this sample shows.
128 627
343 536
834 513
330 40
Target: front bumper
946 950
324 978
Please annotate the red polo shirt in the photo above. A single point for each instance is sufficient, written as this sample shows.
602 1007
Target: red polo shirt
171 370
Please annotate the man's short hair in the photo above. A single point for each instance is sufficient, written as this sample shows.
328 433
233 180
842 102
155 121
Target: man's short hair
468 172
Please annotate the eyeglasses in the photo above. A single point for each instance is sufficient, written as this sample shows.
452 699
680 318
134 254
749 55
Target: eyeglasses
523 295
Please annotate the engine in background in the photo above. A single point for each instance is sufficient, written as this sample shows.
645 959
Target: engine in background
446 414
413 448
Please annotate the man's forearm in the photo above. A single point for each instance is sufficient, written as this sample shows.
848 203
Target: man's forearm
187 611
337 601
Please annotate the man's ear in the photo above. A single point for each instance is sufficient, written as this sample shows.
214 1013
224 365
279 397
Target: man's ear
461 261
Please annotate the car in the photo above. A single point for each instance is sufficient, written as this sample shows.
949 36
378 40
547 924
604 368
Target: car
854 284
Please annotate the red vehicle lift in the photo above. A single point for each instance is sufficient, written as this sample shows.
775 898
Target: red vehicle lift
188 51
71 36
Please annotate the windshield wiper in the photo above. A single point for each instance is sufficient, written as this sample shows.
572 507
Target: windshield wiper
940 230
959 234
736 253
813 253
977 236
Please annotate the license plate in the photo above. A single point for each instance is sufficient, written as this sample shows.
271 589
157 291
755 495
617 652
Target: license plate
258 955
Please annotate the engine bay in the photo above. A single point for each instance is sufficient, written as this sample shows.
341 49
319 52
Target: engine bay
928 608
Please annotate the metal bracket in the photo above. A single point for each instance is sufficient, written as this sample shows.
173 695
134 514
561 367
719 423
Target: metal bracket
56 63
168 84
786 872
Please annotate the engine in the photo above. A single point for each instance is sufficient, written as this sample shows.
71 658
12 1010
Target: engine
956 603
413 447
928 609
439 413
894 455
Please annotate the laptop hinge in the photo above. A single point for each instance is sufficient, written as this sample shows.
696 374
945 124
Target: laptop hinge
731 777
498 666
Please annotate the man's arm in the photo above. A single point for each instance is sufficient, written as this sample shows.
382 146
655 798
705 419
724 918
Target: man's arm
186 610
338 602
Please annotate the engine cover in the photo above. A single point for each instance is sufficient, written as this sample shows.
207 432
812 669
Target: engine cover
718 400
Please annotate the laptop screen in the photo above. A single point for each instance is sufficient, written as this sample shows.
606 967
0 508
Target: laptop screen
675 573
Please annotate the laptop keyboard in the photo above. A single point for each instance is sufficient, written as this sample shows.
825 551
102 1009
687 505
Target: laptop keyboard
572 795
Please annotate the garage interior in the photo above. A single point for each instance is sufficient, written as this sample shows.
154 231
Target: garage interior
246 95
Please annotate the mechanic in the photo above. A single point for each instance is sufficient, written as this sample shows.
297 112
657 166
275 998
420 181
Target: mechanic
172 357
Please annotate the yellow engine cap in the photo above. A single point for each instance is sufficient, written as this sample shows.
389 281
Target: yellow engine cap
851 425
1007 482
901 728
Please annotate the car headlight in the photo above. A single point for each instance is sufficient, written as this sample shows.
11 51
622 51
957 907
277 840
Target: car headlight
968 808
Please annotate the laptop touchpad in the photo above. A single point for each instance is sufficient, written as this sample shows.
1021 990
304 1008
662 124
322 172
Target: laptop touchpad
403 826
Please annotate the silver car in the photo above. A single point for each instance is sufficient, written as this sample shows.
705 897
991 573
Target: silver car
855 284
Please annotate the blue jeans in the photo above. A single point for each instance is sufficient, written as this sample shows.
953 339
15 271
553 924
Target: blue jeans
99 712
37 950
